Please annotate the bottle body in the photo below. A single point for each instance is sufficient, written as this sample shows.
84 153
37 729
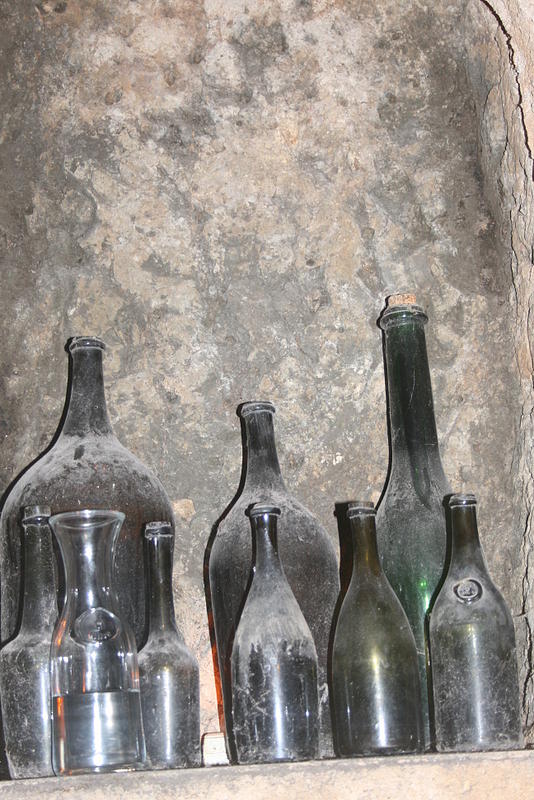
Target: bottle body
410 520
375 676
168 671
472 649
96 708
25 661
307 555
87 467
273 663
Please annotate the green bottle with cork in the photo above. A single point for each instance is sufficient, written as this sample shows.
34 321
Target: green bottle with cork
411 529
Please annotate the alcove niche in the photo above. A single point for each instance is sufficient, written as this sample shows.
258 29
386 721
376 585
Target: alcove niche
226 192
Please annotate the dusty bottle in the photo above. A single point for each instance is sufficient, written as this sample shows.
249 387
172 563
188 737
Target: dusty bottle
306 552
86 467
25 660
375 676
274 662
411 530
168 671
472 648
94 674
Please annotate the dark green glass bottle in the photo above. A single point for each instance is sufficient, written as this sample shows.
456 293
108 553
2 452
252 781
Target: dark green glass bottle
410 519
472 648
375 676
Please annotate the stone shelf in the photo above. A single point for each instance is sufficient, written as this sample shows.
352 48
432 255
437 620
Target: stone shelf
484 776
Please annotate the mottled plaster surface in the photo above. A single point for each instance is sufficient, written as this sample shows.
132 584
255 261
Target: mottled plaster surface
226 192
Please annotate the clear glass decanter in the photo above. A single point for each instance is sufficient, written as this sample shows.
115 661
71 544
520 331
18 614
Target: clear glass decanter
96 707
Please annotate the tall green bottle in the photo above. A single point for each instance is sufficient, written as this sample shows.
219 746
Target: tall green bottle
411 530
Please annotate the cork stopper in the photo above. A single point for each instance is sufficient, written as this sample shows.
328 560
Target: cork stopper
401 300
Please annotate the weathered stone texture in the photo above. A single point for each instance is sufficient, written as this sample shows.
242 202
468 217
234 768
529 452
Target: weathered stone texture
226 192
500 65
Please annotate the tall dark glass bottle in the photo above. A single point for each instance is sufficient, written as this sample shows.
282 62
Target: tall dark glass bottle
87 467
168 671
306 552
274 662
472 648
375 676
25 660
410 520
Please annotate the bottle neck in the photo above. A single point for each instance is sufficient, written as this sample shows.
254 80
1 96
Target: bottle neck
365 553
39 607
414 439
88 559
466 550
87 411
264 529
262 469
161 603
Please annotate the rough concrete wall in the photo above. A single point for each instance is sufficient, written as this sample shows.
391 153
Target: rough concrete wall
501 69
226 192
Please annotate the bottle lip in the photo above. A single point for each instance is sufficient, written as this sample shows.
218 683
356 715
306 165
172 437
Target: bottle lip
158 528
36 513
360 508
86 518
86 343
401 309
261 509
255 406
462 499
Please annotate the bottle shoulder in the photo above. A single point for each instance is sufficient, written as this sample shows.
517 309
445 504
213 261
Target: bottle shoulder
469 596
166 649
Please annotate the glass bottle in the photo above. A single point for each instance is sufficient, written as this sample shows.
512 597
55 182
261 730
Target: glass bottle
168 670
274 661
86 467
410 519
375 676
472 648
25 660
306 552
96 707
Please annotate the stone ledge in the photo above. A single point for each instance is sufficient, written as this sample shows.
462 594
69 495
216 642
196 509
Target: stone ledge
491 776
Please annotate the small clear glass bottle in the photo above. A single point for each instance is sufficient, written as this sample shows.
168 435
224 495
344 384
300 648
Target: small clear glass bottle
472 648
25 660
375 677
305 550
168 670
274 662
96 707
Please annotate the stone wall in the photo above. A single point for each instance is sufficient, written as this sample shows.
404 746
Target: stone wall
226 192
500 65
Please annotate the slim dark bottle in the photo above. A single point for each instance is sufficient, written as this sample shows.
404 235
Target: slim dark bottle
274 662
168 671
86 467
375 677
472 648
411 530
25 660
306 552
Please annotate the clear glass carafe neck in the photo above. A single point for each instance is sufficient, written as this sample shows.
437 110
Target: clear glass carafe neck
160 548
413 433
262 469
466 550
86 540
86 407
39 607
361 517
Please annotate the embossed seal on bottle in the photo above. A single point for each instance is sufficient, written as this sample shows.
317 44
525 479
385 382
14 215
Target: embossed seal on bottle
96 625
468 590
